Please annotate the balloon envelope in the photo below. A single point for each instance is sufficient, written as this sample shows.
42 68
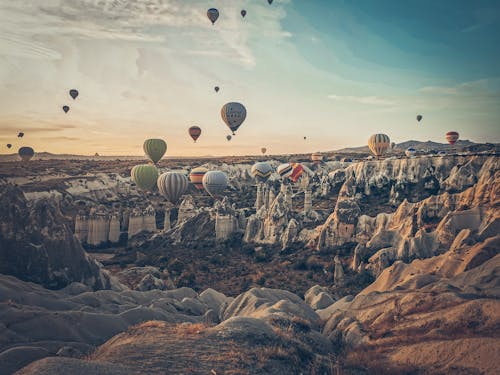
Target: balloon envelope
228 137
297 170
378 144
233 115
243 13
155 149
452 137
419 117
215 182
261 171
65 108
196 177
194 132
144 176
317 157
216 88
212 15
285 170
270 1
9 145
172 185
73 93
410 151
20 135
263 150
26 153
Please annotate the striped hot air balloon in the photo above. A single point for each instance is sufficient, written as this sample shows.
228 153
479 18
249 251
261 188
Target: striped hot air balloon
155 149
26 153
284 170
215 182
452 137
196 177
144 176
172 185
261 171
233 115
195 132
297 170
317 157
378 144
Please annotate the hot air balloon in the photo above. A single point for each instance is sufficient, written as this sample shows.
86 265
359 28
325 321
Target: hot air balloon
144 176
20 135
215 182
155 149
26 153
212 15
284 170
270 1
452 137
228 137
233 115
410 151
243 13
9 145
196 177
419 118
65 108
378 144
216 88
195 132
305 138
73 93
297 170
261 171
172 185
317 157
263 150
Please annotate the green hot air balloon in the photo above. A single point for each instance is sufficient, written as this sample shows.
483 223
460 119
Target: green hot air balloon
155 149
144 176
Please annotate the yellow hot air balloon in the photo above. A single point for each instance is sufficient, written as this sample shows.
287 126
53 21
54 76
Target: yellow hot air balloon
155 149
378 144
196 177
144 176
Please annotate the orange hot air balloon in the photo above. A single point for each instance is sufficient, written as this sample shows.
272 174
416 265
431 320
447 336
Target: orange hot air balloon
452 137
195 132
297 171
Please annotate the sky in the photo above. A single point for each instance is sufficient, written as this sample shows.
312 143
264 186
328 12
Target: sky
334 71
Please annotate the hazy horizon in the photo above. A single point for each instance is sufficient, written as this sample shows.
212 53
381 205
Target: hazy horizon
328 70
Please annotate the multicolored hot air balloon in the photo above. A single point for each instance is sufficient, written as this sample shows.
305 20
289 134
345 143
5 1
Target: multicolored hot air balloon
73 93
452 137
378 144
317 157
419 118
65 108
20 135
297 171
196 177
212 15
195 132
9 145
293 171
284 170
155 149
216 88
263 150
228 137
261 171
215 182
410 151
243 13
233 115
144 176
26 153
172 185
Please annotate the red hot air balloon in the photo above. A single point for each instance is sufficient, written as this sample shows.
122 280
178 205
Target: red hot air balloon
194 132
452 137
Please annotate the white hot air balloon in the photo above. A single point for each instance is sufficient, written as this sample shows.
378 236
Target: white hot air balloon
215 182
172 185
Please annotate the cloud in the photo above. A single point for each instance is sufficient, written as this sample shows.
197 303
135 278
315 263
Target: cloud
30 129
370 100
481 87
